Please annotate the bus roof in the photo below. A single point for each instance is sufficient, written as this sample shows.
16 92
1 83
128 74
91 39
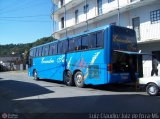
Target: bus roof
82 33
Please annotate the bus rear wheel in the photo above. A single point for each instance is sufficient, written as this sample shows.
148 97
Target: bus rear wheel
79 79
67 78
35 75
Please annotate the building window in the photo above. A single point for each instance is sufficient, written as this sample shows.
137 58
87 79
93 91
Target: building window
62 22
86 8
76 16
155 16
99 6
110 1
62 2
136 26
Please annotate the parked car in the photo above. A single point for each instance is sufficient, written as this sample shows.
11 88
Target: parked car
151 84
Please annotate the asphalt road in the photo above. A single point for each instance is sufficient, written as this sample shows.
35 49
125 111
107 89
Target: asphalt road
21 94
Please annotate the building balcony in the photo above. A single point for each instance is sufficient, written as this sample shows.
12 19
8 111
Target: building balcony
61 9
105 15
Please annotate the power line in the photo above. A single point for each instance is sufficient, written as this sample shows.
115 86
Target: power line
13 6
22 20
25 16
15 9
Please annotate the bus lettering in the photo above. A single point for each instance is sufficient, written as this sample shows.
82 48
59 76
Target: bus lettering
47 61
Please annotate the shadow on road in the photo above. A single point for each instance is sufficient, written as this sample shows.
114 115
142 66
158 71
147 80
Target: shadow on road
107 87
51 81
18 89
117 103
105 103
117 88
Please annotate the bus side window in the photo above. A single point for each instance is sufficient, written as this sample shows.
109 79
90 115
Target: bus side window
31 53
85 42
39 51
92 40
100 39
43 50
34 53
53 49
64 46
46 51
60 47
77 43
71 44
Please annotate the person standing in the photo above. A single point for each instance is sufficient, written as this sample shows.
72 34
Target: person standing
154 67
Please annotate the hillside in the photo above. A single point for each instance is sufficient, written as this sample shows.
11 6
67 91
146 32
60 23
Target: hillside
18 49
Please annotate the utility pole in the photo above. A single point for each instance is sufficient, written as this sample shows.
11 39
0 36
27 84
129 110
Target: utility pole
86 15
65 20
118 13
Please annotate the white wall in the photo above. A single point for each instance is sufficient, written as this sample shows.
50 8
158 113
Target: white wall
148 31
147 60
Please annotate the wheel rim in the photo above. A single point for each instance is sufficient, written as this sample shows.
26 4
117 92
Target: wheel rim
152 90
79 78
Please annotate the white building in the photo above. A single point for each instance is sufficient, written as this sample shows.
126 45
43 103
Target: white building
75 16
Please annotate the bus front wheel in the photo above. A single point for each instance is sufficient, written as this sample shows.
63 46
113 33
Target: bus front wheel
35 75
68 78
79 79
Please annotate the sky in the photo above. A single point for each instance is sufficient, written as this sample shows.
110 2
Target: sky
24 21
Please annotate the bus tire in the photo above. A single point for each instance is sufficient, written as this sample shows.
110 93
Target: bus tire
152 89
79 79
35 75
67 78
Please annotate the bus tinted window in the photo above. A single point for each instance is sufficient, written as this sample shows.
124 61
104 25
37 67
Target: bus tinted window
65 46
62 47
123 39
53 49
45 50
71 45
100 39
92 40
34 53
31 54
77 43
85 42
39 51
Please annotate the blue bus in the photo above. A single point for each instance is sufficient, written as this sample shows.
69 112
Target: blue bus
100 56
